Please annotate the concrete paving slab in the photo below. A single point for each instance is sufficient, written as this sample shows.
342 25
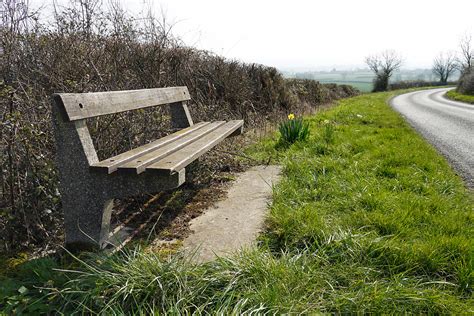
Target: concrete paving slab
236 221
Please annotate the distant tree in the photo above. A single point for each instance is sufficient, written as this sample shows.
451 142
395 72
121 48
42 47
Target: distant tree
383 65
466 59
444 65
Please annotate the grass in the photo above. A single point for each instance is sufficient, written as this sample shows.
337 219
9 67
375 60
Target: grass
454 95
368 218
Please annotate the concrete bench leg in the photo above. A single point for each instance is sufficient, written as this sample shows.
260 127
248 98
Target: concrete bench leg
87 222
86 205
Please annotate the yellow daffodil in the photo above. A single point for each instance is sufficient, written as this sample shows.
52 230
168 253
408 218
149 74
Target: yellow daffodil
291 116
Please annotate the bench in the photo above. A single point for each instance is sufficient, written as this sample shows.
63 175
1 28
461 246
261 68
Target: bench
88 186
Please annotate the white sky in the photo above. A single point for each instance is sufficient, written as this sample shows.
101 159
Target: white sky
317 34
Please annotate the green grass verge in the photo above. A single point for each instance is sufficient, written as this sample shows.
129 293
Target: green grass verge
368 218
456 96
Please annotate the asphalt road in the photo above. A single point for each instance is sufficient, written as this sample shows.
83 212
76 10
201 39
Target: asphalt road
446 124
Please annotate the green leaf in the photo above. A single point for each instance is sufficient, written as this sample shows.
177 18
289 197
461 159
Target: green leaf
23 290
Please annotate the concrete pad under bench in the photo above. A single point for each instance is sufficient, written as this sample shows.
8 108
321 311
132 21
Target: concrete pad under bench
236 221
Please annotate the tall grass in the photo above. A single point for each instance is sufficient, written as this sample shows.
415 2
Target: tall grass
381 182
328 279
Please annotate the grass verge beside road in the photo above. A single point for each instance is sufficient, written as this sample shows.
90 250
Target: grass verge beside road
368 218
456 96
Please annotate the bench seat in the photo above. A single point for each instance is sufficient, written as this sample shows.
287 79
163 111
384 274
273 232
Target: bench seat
173 152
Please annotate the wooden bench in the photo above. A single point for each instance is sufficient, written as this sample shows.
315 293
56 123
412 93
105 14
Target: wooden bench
88 186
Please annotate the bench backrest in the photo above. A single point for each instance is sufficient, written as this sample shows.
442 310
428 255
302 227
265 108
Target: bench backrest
79 106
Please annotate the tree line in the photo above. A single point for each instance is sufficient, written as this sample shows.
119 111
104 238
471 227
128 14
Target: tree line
445 64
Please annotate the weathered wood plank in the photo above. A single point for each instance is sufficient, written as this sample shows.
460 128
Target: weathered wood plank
84 105
110 165
139 164
181 158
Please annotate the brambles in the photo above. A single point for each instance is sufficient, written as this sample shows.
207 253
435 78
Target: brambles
293 130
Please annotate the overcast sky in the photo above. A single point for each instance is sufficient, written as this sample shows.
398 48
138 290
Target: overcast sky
317 34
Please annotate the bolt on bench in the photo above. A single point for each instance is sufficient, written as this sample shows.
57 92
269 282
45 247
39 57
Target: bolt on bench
88 186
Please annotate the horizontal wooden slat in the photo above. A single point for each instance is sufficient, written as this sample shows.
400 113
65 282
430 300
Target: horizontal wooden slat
84 105
139 164
111 164
181 158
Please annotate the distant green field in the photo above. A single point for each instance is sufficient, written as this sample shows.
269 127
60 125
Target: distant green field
361 85
361 78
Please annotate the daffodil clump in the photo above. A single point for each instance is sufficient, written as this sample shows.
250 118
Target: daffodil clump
293 130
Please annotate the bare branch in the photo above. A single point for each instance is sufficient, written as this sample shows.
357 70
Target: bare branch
383 65
466 60
444 65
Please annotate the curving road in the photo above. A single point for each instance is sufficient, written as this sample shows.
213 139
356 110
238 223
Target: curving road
446 124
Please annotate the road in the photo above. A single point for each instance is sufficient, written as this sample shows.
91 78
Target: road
447 125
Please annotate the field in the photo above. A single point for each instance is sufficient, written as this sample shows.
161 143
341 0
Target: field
368 218
361 78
